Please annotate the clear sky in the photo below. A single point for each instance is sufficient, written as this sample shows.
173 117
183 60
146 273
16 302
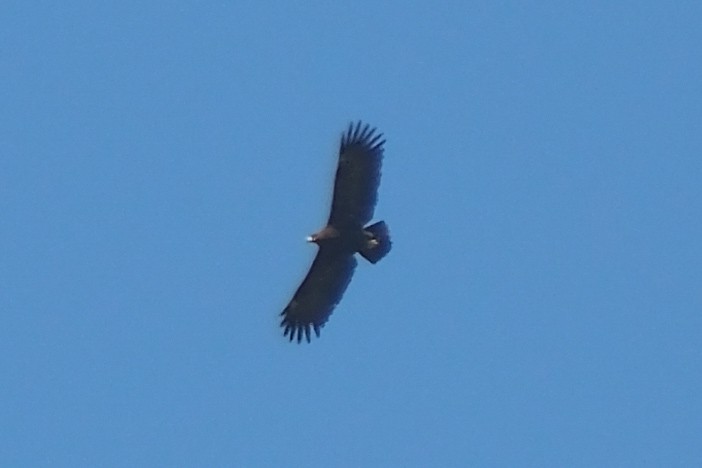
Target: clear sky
162 162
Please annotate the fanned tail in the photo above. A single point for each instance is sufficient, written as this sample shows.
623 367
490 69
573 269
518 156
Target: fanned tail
378 242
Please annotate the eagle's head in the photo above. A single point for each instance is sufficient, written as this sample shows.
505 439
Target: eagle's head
325 234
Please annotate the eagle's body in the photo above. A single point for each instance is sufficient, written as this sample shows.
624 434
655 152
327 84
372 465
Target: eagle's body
353 204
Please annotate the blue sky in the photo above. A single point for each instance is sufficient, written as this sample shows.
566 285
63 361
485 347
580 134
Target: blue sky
162 163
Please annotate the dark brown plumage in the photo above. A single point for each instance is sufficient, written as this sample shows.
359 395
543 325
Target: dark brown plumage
353 204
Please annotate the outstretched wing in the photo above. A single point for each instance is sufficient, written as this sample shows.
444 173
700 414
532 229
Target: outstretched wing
357 176
319 293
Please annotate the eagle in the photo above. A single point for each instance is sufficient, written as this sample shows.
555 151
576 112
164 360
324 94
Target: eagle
353 204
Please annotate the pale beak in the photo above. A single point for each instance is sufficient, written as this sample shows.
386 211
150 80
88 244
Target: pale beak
310 239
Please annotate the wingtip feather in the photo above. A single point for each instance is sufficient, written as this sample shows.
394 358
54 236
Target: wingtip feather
363 134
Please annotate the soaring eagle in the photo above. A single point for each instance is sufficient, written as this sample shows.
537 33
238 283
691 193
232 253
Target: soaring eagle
353 203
